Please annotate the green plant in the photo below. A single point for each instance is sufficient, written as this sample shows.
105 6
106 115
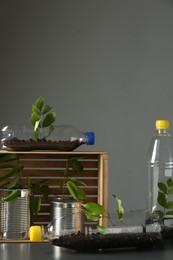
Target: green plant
35 200
91 210
13 179
12 174
119 210
119 213
42 118
165 189
71 183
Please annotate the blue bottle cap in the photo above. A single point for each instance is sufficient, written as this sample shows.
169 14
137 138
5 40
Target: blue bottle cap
90 138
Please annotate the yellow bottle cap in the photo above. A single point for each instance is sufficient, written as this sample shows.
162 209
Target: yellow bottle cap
35 233
162 124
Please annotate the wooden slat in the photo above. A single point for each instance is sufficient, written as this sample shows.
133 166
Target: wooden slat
48 166
41 219
46 155
56 164
57 173
57 191
88 182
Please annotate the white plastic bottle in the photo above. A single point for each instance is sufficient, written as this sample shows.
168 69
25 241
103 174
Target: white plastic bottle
160 173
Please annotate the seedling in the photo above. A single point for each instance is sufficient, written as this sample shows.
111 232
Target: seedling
91 210
119 215
163 199
42 118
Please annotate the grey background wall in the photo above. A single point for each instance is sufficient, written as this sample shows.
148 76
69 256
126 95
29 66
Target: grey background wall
104 65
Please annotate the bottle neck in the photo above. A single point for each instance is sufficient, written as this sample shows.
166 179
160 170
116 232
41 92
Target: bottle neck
162 132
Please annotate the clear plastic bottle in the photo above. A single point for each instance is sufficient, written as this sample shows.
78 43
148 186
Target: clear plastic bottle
133 231
62 138
160 173
69 133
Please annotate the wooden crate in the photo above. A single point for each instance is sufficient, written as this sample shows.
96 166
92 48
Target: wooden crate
48 166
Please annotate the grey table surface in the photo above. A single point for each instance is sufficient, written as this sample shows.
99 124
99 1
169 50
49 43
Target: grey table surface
45 251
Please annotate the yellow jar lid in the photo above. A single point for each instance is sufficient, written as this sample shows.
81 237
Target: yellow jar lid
35 233
162 124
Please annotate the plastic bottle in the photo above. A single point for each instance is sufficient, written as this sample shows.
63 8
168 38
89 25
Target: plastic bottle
69 137
62 138
70 133
133 231
160 174
57 227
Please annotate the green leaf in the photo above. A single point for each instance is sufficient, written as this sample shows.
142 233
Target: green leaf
6 166
162 187
76 157
8 157
34 118
170 190
36 126
45 190
81 194
39 103
14 181
15 169
36 186
169 205
170 182
36 134
94 208
161 199
159 213
73 189
76 192
101 229
36 204
120 210
36 111
49 119
76 166
76 180
13 195
46 109
18 167
29 185
51 129
42 117
169 212
91 216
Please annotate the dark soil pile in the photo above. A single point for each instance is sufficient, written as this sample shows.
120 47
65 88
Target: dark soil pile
82 242
167 229
167 232
42 144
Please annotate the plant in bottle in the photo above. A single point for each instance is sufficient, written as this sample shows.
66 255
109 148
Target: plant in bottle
163 199
42 118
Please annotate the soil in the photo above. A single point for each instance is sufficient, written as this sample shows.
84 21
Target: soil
167 231
82 242
42 144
